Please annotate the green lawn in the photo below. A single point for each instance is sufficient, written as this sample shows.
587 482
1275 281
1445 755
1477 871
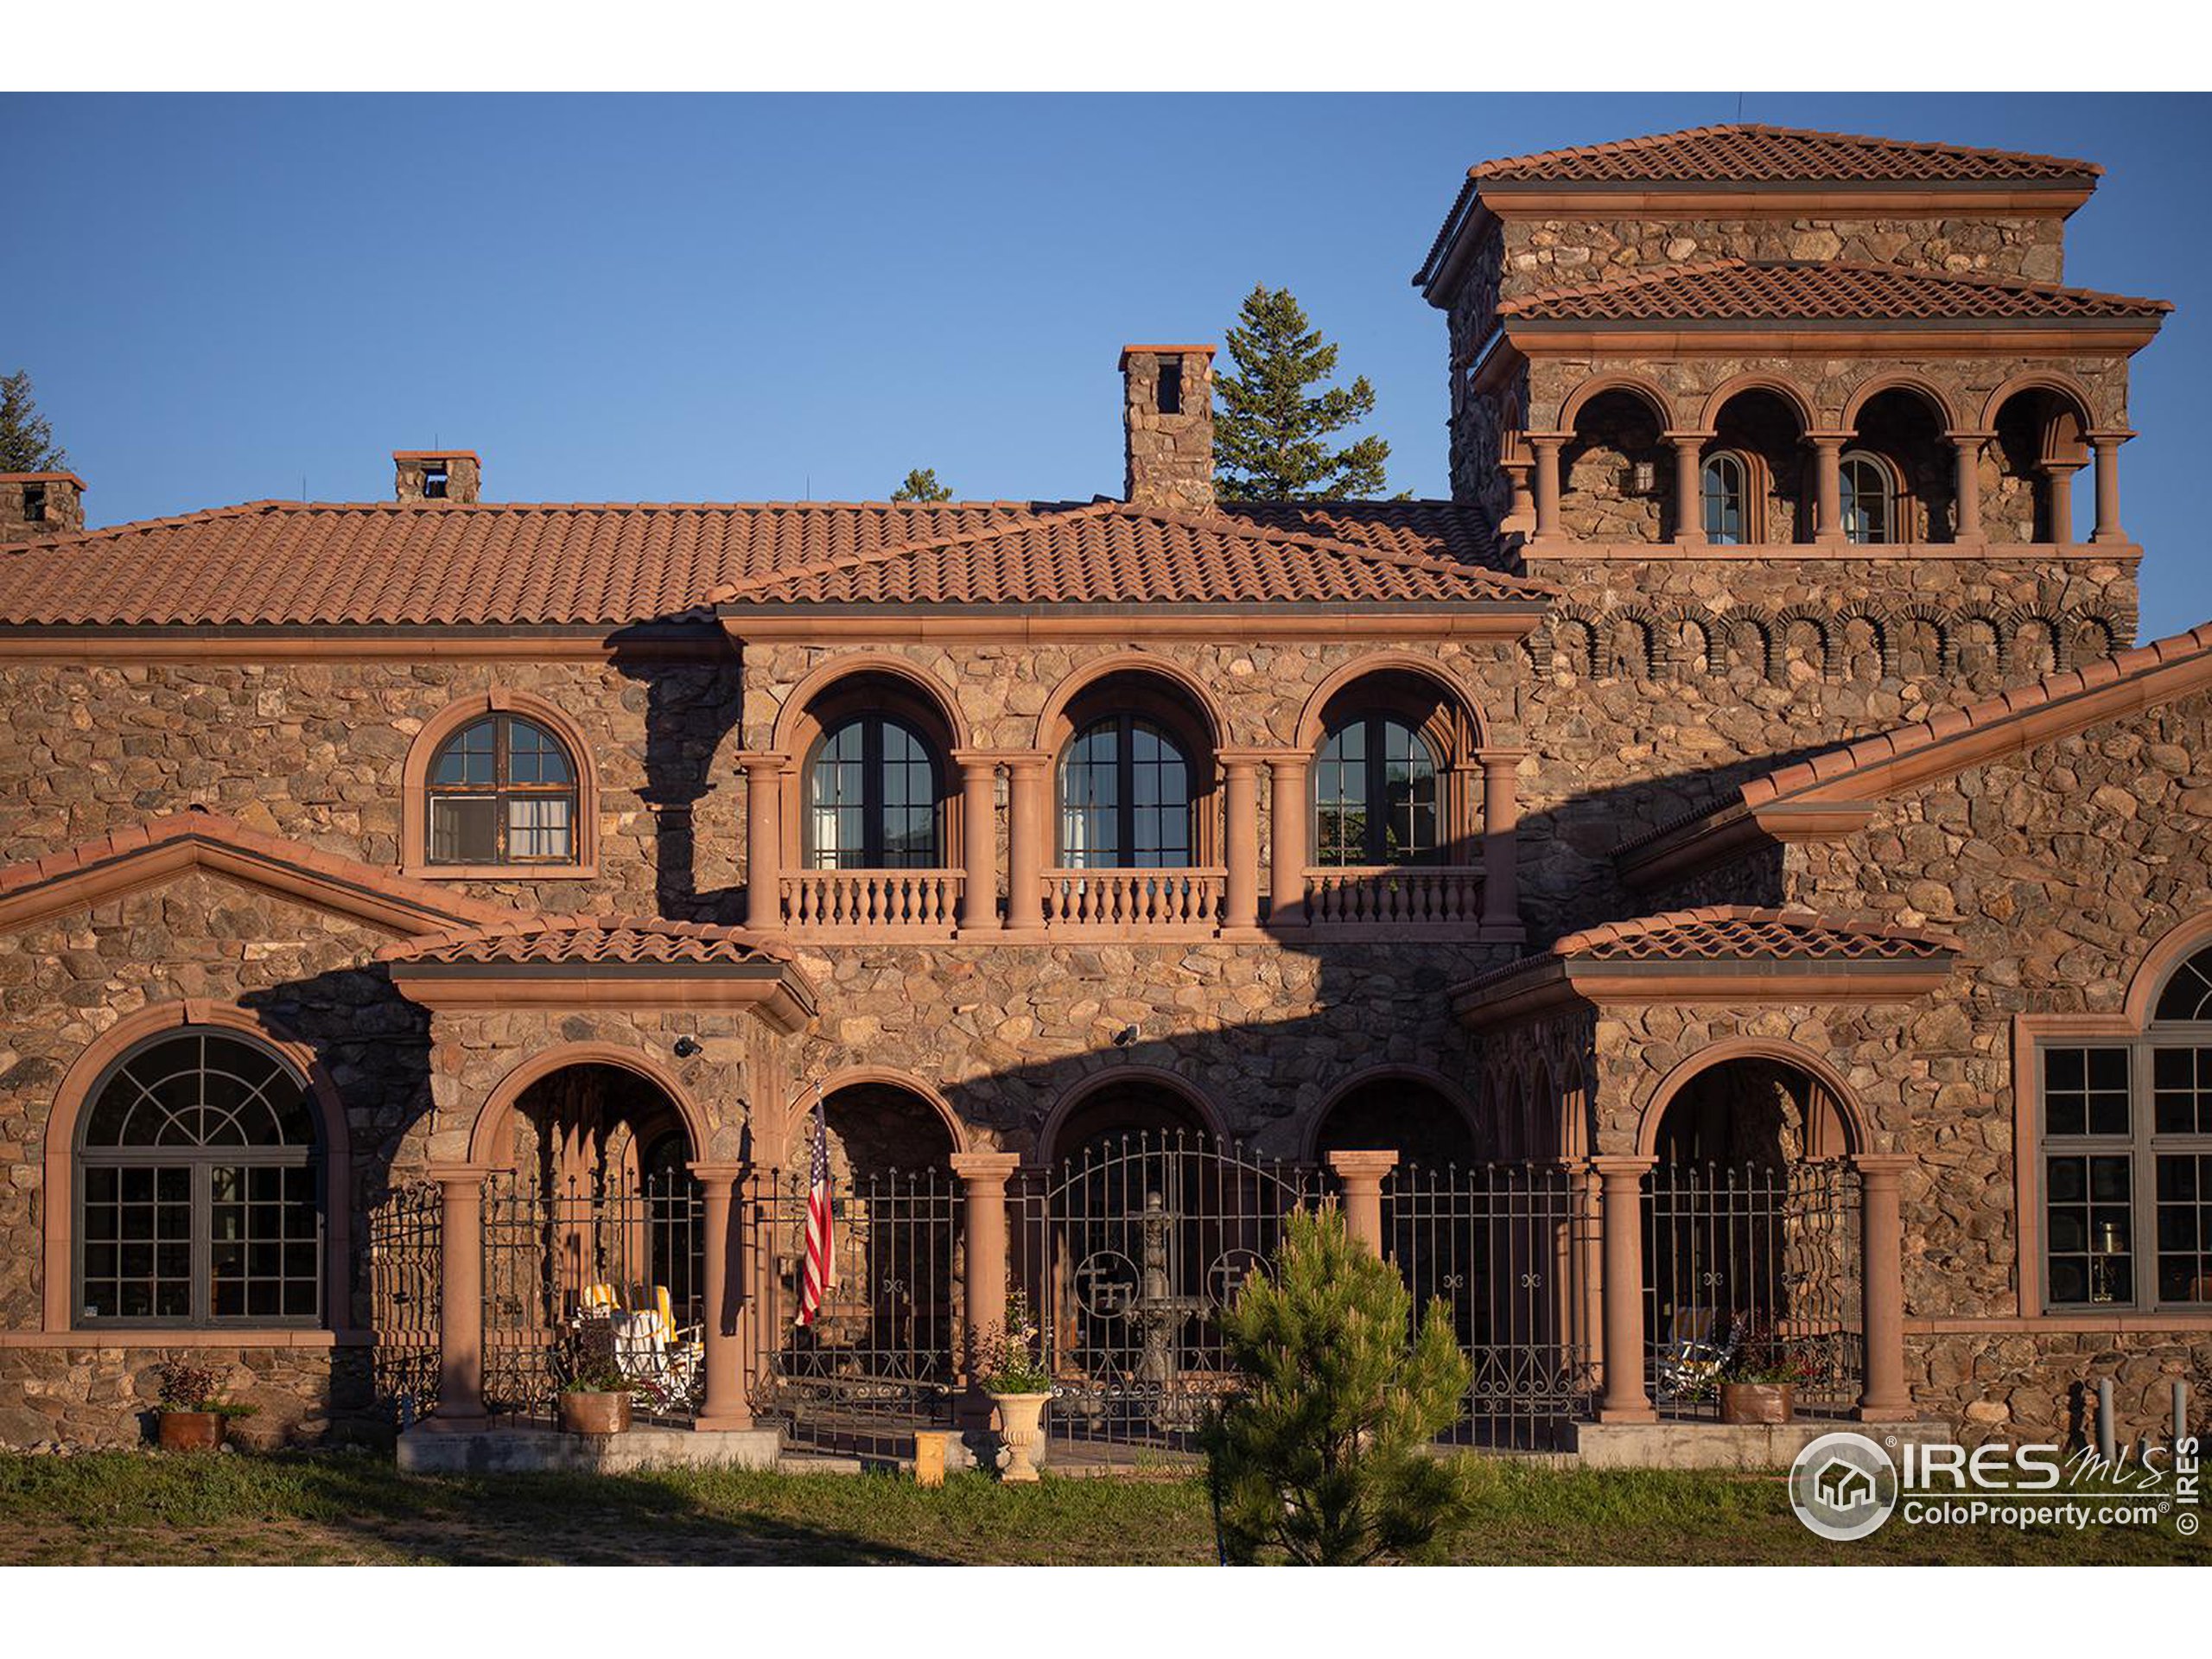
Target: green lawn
123 1506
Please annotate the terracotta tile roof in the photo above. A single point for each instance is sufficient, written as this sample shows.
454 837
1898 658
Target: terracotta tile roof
1751 153
1736 933
1111 553
1416 530
1734 289
599 940
522 564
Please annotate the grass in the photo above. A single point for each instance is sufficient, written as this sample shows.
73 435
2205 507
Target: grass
125 1506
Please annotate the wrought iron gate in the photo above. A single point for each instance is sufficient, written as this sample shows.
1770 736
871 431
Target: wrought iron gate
880 1360
405 1270
1508 1249
1760 1266
1128 1251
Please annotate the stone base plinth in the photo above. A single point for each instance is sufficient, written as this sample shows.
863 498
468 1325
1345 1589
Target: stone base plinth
427 1449
1721 1446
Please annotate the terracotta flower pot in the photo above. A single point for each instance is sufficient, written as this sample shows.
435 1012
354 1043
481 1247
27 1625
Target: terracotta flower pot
1757 1402
595 1413
191 1431
1022 1427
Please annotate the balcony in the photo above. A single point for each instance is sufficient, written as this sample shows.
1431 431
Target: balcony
1183 902
872 904
1394 899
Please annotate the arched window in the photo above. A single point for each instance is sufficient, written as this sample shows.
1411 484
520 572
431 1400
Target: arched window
199 1198
1375 794
2126 1153
874 798
1125 798
503 791
1726 486
1870 499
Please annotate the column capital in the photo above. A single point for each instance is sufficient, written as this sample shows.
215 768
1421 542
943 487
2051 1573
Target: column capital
710 1172
1546 440
459 1175
1023 759
1681 435
766 760
988 757
1829 435
1292 760
1970 435
1884 1165
1370 1167
1245 758
1487 757
985 1168
2108 435
1624 1169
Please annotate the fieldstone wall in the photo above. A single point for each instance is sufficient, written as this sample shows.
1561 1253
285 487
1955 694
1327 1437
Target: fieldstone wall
90 1397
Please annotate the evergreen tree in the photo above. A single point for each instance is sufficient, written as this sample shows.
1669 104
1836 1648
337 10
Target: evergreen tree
921 485
1268 438
1322 1458
27 442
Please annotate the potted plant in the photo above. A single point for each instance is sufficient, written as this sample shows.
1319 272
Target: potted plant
191 1413
1757 1383
1012 1371
594 1396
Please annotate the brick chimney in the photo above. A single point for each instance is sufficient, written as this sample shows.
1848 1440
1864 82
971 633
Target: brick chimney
40 503
437 475
1168 427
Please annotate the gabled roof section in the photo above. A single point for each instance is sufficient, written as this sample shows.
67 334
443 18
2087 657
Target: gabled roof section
1751 153
164 848
1110 553
1832 793
1804 291
597 939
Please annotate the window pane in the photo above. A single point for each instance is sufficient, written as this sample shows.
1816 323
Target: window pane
2087 1226
535 756
2188 995
464 830
2184 1188
2085 1092
538 826
2181 1083
254 1212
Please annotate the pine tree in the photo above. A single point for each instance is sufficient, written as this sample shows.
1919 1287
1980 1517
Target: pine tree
27 442
1322 1458
921 485
1269 437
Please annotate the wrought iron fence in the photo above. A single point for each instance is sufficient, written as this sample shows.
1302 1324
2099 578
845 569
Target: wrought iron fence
1754 1268
1509 1249
1128 1250
403 1273
880 1360
557 1258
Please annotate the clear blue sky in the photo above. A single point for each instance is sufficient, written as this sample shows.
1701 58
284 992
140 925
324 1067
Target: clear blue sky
754 297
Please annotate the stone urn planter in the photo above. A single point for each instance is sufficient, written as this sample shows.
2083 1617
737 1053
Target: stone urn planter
1757 1402
589 1412
1021 1427
190 1430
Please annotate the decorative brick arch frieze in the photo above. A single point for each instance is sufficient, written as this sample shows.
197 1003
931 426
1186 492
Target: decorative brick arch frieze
74 1093
1859 1132
488 1144
415 800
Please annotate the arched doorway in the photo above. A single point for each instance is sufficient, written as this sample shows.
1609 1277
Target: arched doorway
1397 1113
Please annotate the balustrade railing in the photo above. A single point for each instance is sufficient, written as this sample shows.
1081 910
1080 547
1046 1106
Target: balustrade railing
1135 898
1432 895
886 900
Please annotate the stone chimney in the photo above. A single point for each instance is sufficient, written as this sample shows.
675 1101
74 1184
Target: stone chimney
1168 427
437 475
40 503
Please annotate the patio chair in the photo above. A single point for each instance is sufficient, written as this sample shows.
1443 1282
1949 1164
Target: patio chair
650 1348
1691 1360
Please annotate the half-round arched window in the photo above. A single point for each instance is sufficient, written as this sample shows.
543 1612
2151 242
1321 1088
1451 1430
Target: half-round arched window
2188 995
1125 798
502 790
1724 484
199 1188
1870 499
874 798
1375 794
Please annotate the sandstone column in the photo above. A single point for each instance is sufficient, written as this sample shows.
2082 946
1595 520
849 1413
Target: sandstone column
2059 474
1362 1173
1885 1398
764 846
2106 445
1621 1215
1520 512
1828 486
979 840
983 1177
1546 446
1967 484
726 1405
461 1293
1290 810
1241 810
1689 489
1501 841
1028 808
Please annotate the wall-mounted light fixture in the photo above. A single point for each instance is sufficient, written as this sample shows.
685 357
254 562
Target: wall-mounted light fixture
685 1048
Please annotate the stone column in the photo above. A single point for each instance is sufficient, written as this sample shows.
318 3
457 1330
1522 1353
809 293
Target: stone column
1240 829
1501 841
2106 446
1545 447
1584 1206
1028 807
726 1405
2059 475
1966 486
1689 491
1290 811
1362 1173
1828 486
1885 1398
461 1293
979 840
764 845
1621 1216
1520 510
983 1177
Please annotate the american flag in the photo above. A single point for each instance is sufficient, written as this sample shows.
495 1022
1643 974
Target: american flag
820 1226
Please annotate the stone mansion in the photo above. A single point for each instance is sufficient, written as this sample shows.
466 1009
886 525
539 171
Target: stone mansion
1728 874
